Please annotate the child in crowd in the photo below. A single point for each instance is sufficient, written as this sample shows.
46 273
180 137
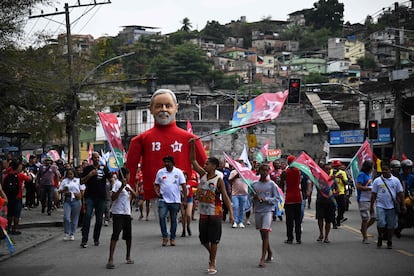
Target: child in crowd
265 197
210 207
121 215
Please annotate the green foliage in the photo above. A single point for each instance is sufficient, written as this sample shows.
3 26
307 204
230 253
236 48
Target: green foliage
216 32
12 16
227 82
367 63
184 63
314 77
186 25
326 14
315 39
33 88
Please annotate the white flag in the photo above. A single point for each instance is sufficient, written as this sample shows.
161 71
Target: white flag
245 157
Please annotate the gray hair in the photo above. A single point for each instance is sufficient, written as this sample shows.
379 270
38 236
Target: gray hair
163 91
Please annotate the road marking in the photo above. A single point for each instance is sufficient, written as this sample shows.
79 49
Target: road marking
409 254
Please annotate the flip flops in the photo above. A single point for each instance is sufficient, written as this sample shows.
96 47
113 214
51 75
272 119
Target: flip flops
211 271
110 266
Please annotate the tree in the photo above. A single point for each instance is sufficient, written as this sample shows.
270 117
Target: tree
216 32
12 13
326 14
184 63
293 32
186 25
33 88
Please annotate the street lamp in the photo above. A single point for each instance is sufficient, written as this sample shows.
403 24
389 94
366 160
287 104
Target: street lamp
74 113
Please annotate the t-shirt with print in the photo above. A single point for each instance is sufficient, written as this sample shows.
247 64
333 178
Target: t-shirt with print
122 205
170 183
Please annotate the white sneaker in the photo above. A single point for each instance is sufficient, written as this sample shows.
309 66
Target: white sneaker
72 237
241 225
234 225
66 237
248 222
106 223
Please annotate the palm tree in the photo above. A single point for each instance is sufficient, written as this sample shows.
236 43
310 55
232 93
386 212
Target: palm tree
186 25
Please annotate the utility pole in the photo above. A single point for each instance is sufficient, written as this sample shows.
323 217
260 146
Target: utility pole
72 112
398 127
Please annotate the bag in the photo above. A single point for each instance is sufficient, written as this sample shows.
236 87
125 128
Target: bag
397 206
11 186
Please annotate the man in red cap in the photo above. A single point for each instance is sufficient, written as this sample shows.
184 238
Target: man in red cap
341 180
293 201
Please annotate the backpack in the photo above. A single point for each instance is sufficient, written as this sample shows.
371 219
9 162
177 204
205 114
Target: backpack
11 185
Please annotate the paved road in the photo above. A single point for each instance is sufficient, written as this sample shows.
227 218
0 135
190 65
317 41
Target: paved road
238 254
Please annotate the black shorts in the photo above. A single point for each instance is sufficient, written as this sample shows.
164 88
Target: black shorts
325 210
210 229
121 223
14 208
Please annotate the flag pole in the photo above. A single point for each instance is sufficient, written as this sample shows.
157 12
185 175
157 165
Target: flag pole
234 127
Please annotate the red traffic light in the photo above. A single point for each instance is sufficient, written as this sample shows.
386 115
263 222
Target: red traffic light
373 124
295 84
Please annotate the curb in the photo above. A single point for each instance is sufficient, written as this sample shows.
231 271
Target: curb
28 246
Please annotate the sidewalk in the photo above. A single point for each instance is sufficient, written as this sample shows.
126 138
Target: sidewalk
36 228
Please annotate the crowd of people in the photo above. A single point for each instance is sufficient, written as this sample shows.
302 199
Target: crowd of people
167 169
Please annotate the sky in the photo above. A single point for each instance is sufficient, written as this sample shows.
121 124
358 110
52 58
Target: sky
167 15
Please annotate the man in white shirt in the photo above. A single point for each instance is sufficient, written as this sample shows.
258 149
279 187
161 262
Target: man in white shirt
167 187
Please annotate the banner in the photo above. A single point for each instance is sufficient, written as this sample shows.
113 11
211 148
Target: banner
113 135
273 154
318 176
261 109
364 153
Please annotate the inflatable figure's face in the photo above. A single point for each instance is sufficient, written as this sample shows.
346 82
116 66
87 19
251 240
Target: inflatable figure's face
164 109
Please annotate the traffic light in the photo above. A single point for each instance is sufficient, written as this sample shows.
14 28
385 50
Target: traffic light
294 91
373 129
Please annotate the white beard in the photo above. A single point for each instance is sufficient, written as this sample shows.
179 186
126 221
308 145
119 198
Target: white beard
164 118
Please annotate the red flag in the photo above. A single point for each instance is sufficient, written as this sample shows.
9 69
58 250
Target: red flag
318 176
248 176
264 107
189 127
110 126
363 153
261 109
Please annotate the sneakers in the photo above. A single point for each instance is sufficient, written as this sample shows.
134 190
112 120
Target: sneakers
248 222
71 237
241 225
379 242
389 244
106 223
84 245
66 237
234 225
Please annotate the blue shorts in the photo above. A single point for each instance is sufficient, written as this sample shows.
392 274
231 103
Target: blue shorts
386 218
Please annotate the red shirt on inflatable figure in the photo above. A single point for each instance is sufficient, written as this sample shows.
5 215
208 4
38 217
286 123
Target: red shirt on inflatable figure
163 139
